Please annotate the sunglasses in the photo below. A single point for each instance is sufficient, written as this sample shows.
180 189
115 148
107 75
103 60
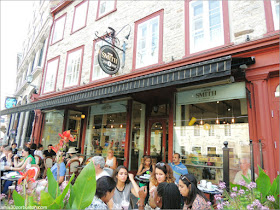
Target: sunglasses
160 164
184 177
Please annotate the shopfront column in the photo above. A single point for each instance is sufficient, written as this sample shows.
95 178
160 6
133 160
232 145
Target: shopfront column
263 124
24 128
20 125
37 127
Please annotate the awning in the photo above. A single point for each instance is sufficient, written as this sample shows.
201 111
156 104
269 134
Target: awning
210 69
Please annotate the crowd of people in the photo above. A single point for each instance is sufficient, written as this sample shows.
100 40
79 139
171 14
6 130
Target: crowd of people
170 186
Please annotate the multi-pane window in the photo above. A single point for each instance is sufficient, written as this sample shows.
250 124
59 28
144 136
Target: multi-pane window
105 6
147 52
227 130
50 77
73 68
80 16
275 4
58 29
41 54
211 131
196 130
206 25
97 72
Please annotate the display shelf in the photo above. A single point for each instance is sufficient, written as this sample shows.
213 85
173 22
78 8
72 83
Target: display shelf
204 166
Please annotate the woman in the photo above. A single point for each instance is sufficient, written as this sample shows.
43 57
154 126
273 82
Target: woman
25 163
193 197
111 160
105 188
167 196
146 167
125 185
72 153
162 173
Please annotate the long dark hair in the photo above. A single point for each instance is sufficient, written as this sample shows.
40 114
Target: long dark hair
170 194
117 172
167 170
189 179
28 150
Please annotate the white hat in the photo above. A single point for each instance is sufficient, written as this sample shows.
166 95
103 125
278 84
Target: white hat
72 150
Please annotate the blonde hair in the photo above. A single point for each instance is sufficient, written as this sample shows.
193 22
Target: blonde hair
167 170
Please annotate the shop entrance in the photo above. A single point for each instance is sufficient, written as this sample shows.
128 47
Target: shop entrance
157 140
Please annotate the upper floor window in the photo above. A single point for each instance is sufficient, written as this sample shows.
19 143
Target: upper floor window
58 30
105 7
80 16
51 74
97 72
205 25
73 67
275 4
148 40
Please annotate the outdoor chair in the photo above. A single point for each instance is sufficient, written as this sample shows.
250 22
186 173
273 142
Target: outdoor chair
81 159
37 159
72 167
48 162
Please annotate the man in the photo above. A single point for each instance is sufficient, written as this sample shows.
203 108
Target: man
14 148
28 144
178 167
49 152
99 163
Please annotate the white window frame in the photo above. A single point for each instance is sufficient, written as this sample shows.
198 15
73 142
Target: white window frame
276 18
227 129
196 130
151 54
50 77
58 30
211 131
205 42
80 16
107 7
72 75
97 72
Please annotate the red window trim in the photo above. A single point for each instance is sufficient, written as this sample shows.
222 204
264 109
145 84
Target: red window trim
225 25
72 32
92 64
80 70
49 61
159 13
97 14
269 17
65 14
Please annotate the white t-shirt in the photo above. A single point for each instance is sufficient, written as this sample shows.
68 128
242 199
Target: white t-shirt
103 173
39 153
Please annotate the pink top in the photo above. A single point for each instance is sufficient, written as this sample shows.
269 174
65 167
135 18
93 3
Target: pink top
199 203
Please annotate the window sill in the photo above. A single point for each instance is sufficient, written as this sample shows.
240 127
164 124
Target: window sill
56 42
148 67
102 16
78 30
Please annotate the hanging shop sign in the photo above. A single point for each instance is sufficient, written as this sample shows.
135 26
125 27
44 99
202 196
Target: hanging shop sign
109 60
10 102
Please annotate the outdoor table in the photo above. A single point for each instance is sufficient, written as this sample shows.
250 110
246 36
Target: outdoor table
142 179
13 179
211 193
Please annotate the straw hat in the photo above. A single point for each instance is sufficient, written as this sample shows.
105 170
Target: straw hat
72 150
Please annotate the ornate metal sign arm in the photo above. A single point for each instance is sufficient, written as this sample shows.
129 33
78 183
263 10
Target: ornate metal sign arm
112 38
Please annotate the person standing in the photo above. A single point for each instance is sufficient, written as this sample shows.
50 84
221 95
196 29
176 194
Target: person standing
178 167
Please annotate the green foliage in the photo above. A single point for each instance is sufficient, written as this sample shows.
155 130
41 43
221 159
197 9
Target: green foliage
53 188
18 199
84 188
263 184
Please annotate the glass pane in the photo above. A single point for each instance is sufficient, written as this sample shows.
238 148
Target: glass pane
74 125
156 141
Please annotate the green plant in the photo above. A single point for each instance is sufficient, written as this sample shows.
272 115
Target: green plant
250 195
81 193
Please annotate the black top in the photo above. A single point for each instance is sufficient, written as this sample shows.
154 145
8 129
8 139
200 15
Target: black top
49 154
14 151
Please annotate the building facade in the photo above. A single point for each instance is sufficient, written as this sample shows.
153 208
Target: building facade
192 75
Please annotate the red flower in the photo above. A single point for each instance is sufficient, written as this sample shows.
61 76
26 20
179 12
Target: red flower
28 174
66 136
56 148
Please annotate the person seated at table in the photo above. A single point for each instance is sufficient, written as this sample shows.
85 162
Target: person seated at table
105 189
49 152
99 163
111 160
162 173
33 147
193 197
178 167
39 152
72 153
23 165
125 186
167 196
7 158
14 148
146 167
62 169
245 170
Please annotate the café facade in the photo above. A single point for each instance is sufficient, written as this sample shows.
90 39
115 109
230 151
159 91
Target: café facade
190 105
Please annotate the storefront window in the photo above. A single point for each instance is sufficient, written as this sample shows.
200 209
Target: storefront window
138 135
205 119
53 123
106 130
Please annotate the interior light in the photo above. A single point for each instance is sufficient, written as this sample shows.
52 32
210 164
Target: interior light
218 102
112 126
232 120
217 121
83 116
201 122
121 126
